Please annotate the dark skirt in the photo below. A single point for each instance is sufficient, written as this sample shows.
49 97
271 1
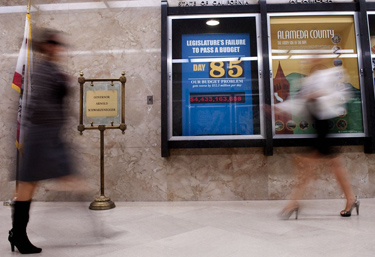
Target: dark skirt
320 143
45 155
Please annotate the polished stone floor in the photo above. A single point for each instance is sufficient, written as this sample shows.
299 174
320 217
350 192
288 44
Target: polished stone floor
196 229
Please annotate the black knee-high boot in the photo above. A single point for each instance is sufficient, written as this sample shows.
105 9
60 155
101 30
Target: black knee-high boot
17 235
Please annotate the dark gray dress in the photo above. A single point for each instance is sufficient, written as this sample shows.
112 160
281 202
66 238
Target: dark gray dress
45 155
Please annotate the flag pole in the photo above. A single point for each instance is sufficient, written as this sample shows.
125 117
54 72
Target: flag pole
18 150
28 7
11 202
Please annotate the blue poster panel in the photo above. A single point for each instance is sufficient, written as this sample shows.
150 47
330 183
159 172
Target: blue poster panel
216 85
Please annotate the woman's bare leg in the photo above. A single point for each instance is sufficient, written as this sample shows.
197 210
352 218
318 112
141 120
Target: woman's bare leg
342 177
25 190
304 175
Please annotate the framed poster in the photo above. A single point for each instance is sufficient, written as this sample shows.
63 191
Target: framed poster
215 84
298 40
371 21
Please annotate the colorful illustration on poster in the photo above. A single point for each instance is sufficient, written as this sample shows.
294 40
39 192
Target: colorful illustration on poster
295 41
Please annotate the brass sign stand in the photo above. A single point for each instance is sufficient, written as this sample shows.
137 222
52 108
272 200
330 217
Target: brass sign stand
102 202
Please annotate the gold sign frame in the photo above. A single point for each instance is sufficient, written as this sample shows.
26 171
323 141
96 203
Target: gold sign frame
82 80
102 202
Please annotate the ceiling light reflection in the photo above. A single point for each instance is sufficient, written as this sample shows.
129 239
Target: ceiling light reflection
344 51
249 58
180 60
212 22
79 6
14 9
311 51
279 51
280 57
214 59
141 3
313 56
348 55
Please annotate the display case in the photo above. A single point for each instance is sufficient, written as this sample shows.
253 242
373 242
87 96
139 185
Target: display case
302 44
221 83
371 23
213 93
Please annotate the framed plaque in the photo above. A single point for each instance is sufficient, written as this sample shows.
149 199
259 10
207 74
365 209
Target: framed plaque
101 103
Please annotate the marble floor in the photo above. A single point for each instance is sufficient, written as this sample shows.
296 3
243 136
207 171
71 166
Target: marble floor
196 229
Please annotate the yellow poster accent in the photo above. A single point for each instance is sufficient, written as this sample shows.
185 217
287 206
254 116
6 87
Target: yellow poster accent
101 103
297 39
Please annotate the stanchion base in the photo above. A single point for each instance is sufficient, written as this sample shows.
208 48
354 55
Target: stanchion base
102 203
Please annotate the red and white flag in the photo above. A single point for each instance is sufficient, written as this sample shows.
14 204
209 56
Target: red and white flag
21 79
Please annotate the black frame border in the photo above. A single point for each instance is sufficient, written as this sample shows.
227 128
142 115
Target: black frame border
262 8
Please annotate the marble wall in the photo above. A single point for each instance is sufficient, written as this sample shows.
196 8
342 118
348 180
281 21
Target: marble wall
106 41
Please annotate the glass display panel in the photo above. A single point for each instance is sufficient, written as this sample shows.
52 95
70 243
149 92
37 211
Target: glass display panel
371 20
215 87
101 103
295 42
